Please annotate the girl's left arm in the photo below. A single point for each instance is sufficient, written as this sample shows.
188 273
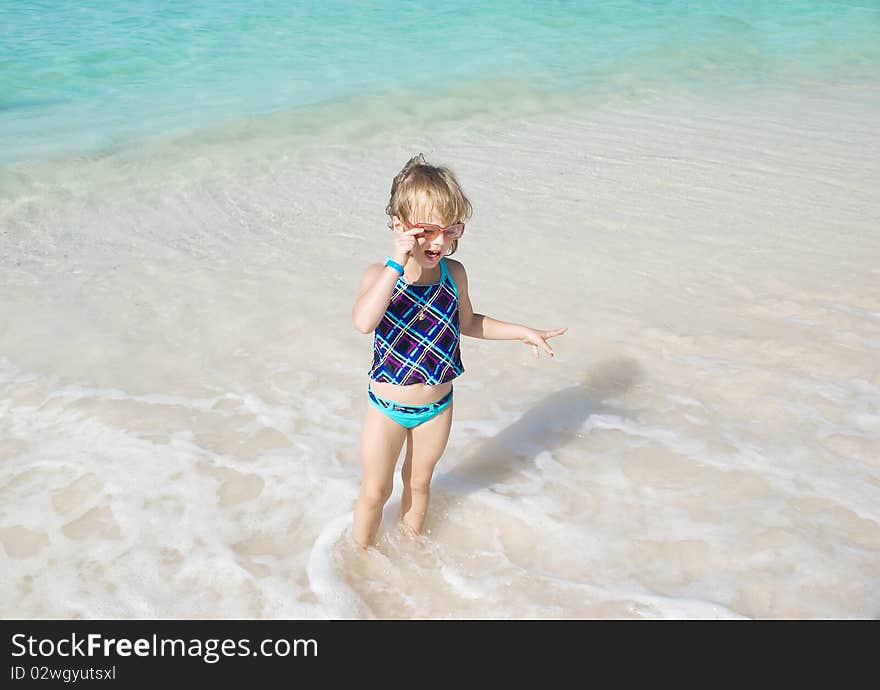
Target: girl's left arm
485 327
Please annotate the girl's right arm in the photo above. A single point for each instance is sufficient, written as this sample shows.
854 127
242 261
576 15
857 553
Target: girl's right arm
378 281
377 285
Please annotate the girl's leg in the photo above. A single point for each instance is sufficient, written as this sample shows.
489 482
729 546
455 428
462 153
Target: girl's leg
381 441
424 446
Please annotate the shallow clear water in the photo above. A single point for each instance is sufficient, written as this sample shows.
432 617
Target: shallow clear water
84 76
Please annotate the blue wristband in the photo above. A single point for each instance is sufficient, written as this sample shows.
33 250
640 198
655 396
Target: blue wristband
396 266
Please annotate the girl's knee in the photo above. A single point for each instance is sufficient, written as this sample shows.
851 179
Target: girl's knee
420 484
374 496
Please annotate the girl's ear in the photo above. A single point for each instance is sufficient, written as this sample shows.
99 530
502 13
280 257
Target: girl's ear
397 224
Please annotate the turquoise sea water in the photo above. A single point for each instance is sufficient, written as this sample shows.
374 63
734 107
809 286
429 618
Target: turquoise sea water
79 76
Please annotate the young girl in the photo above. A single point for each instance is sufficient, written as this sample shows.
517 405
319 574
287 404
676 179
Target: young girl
417 303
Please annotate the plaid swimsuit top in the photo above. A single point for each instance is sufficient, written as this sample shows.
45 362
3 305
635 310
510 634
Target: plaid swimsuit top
417 340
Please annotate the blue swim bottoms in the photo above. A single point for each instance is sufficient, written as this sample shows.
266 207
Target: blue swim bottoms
409 416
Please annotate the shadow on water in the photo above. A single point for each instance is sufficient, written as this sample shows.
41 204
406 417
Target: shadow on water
552 423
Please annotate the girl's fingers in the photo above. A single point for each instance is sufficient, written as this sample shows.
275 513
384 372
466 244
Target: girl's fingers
542 343
553 333
536 351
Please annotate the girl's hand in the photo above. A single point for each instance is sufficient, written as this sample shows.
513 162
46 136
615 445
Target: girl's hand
539 339
404 243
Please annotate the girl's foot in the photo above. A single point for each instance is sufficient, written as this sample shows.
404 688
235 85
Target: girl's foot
408 531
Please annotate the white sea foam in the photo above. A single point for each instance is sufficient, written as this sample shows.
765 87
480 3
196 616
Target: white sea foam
338 598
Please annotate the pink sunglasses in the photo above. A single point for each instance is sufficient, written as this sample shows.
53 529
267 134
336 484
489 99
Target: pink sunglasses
453 231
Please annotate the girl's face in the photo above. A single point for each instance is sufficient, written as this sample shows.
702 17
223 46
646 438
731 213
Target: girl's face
431 246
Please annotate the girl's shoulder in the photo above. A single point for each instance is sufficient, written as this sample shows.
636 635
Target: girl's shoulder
456 268
458 274
373 269
370 274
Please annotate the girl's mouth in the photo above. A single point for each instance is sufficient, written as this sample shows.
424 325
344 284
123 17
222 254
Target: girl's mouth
432 255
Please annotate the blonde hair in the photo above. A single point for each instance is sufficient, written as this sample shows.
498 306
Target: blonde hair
420 185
